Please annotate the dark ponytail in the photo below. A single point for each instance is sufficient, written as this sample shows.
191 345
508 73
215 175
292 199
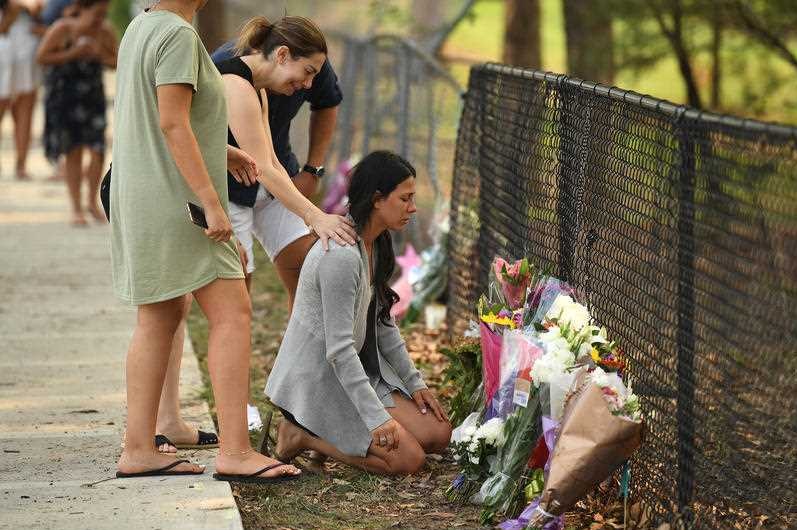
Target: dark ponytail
300 35
375 176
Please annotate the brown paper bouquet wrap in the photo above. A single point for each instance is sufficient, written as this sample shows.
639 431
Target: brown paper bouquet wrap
592 443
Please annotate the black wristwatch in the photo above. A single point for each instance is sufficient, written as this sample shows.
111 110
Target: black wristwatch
317 171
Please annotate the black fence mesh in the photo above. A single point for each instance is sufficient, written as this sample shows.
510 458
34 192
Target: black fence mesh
681 227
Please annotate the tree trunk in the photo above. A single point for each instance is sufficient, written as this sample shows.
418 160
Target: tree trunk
716 61
211 24
675 37
588 31
522 35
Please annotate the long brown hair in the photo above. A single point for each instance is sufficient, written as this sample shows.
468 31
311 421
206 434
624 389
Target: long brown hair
300 35
375 176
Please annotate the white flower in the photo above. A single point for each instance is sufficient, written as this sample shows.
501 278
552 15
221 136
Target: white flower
551 364
474 459
558 306
491 431
574 315
473 446
553 340
468 432
567 311
599 377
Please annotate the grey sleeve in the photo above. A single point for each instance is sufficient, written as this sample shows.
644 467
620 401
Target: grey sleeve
338 276
394 350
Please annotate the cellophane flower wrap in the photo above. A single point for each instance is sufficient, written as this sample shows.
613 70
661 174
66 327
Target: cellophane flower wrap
495 317
601 429
502 492
513 279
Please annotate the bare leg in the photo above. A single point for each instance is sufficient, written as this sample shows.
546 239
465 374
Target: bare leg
74 174
226 305
170 422
146 367
289 264
4 104
93 175
432 434
22 111
60 170
409 458
419 434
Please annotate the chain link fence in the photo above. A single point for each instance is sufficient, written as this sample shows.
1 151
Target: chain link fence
681 229
398 97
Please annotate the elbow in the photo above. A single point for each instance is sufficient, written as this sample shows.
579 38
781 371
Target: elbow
170 127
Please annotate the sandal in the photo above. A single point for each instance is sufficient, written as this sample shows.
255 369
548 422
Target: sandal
255 477
160 472
206 440
160 439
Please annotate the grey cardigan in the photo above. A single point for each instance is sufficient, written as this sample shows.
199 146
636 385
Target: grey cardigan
318 375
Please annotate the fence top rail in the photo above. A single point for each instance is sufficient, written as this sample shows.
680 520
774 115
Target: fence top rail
413 47
678 112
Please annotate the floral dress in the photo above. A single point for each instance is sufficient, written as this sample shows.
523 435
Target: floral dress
74 108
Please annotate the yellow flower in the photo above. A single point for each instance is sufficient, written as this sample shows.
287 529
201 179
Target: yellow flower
595 355
490 318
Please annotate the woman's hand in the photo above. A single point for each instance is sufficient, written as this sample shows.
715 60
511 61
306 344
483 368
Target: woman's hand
219 228
423 398
241 166
328 226
386 435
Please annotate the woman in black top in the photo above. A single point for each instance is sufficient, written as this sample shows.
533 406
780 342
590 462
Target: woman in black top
279 58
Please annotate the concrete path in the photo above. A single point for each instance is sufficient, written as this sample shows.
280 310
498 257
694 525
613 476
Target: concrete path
63 338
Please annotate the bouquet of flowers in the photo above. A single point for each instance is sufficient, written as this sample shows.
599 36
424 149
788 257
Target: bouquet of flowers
503 491
513 280
474 447
519 400
494 319
601 429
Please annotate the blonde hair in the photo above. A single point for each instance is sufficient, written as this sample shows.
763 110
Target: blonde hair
300 35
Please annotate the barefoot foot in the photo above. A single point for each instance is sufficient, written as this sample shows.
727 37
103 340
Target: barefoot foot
97 213
291 440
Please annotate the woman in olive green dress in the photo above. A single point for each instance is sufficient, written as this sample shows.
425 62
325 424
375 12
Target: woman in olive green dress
170 146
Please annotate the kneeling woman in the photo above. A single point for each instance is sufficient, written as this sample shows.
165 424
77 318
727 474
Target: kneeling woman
343 377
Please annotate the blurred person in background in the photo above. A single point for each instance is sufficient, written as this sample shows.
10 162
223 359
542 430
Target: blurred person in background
20 75
75 49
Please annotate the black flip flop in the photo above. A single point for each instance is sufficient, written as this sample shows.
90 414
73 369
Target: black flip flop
206 440
161 439
255 477
160 472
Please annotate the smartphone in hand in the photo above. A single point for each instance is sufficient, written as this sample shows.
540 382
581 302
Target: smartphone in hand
196 214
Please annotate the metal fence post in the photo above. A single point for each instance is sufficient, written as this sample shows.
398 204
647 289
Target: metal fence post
686 312
573 153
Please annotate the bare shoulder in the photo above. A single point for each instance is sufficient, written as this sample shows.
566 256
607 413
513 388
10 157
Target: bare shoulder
239 87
